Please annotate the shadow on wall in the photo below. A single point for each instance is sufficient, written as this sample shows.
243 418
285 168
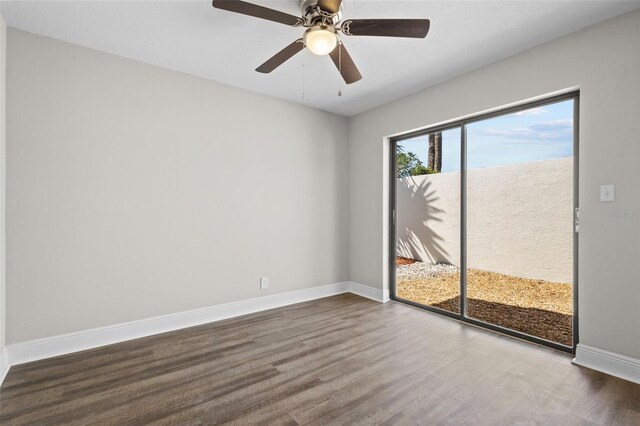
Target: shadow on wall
519 216
417 204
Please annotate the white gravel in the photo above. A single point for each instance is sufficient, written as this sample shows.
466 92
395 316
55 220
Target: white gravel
424 270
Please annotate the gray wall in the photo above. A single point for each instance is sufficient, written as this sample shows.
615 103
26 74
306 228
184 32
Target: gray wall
3 163
134 191
519 219
604 62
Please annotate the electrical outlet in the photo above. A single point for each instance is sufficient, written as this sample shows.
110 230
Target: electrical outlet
607 193
264 283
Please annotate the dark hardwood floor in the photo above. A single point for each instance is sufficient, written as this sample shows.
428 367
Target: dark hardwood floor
340 360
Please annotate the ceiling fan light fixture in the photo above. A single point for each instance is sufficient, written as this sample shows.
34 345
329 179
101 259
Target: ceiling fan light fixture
321 39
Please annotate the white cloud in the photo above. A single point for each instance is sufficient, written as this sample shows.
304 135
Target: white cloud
554 125
553 130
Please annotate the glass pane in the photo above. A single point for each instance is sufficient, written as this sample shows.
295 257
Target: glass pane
428 220
520 221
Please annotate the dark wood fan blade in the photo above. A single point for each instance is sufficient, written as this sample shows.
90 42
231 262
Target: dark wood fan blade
331 6
345 64
411 28
257 11
281 57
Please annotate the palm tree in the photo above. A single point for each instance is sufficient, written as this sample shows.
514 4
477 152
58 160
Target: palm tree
435 152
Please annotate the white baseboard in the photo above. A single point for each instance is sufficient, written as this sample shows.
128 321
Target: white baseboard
4 364
34 350
372 293
47 347
608 362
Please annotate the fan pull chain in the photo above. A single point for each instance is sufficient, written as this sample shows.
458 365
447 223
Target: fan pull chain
303 61
339 67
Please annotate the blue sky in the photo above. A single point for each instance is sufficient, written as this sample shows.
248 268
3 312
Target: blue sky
534 134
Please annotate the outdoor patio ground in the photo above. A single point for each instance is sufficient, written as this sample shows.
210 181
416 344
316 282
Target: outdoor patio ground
535 307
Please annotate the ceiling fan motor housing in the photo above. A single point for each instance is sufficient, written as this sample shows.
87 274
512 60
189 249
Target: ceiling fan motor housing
311 13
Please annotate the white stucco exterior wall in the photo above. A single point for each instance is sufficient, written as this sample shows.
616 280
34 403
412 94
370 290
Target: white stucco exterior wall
519 219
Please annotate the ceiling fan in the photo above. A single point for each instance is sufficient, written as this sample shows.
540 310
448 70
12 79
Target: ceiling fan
323 20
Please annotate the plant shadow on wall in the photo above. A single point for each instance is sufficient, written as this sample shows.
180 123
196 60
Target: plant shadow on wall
419 198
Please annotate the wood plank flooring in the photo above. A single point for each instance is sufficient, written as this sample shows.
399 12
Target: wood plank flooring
341 360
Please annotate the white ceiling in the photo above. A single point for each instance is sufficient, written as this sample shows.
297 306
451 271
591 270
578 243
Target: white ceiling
195 38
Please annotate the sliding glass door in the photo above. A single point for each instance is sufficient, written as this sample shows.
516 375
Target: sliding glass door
428 219
519 193
483 221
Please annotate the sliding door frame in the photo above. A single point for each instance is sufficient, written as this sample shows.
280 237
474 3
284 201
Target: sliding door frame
462 125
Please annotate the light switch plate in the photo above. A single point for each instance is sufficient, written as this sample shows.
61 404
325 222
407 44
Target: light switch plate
607 193
264 283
